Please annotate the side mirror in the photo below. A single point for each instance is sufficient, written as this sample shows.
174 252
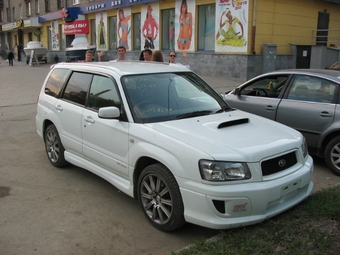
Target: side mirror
108 112
236 92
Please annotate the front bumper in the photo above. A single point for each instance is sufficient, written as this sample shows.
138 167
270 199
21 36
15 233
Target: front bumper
235 205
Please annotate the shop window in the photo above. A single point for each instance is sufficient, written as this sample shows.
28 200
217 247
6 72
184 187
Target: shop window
113 33
136 31
206 27
93 31
49 32
168 29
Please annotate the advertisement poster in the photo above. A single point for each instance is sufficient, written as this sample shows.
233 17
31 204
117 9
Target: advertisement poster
55 35
231 26
185 25
101 34
150 26
124 28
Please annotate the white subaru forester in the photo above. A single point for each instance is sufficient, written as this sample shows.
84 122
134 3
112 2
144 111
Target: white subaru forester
159 133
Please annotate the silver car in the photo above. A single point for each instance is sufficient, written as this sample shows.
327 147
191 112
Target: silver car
307 100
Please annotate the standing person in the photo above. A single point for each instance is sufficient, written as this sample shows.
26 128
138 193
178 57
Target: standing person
185 27
157 56
172 59
123 29
10 57
89 56
141 56
172 36
101 33
147 54
121 54
150 29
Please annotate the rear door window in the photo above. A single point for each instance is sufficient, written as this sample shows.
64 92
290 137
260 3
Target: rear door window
77 88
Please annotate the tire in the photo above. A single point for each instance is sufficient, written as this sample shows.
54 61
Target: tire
332 155
160 198
54 148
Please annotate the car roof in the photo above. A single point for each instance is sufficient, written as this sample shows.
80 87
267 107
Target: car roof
326 73
126 67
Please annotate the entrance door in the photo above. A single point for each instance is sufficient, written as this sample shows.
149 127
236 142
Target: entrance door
303 53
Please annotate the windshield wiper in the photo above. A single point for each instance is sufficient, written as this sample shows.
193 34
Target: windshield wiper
224 109
193 114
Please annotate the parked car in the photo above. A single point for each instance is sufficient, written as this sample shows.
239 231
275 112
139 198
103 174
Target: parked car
306 100
159 133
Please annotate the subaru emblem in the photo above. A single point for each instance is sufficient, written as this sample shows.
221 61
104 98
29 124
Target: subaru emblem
282 163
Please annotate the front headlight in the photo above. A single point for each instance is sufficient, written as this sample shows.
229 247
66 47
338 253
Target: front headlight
223 170
304 147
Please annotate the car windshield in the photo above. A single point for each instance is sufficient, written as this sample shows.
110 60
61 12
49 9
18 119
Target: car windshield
170 96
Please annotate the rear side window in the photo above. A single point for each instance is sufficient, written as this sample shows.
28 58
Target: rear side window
77 88
55 82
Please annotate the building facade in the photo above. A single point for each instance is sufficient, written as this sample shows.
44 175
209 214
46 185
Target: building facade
236 39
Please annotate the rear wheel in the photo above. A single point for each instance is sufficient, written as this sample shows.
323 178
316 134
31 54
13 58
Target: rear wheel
332 155
160 198
54 148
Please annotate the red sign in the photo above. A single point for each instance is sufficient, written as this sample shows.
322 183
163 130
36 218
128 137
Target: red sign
76 27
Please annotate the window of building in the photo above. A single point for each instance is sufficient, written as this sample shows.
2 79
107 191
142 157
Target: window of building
113 33
60 4
8 14
168 28
206 27
21 11
28 9
14 18
37 7
1 16
136 31
47 5
75 2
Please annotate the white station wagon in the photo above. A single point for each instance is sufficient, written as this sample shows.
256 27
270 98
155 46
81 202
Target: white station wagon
160 134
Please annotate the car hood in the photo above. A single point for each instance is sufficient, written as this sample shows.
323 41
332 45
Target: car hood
232 135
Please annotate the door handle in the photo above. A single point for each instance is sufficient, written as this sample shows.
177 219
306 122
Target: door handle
89 119
59 108
325 114
270 108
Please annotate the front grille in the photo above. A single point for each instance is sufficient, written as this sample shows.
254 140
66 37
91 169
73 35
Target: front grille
278 164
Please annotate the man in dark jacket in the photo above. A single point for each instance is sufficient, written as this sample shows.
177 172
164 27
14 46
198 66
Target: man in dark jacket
10 58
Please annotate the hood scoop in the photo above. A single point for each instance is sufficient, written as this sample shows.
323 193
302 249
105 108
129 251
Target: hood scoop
233 123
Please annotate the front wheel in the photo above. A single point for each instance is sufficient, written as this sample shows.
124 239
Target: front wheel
160 198
54 148
332 155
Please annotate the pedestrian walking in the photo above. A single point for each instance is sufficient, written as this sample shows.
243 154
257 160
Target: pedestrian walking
10 57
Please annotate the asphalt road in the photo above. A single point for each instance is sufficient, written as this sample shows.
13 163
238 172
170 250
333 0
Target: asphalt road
45 210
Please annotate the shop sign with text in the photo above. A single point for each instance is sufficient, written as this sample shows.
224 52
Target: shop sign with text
76 27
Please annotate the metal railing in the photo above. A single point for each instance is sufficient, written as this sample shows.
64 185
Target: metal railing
327 37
